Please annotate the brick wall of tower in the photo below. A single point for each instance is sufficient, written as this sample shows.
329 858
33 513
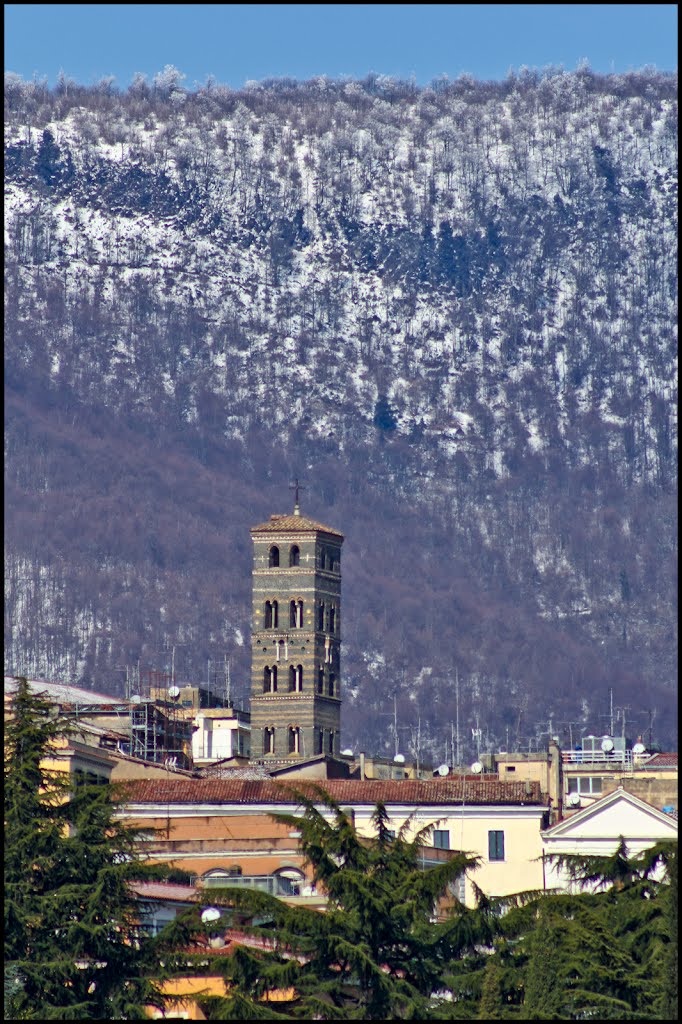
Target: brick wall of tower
304 645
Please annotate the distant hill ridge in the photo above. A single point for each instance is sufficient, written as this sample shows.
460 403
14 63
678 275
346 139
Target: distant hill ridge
451 311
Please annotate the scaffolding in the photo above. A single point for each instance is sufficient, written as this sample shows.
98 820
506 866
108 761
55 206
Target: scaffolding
159 732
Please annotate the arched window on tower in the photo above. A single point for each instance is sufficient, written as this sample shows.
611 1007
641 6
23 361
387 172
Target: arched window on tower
294 739
295 678
273 557
323 559
330 741
320 680
294 555
299 614
320 616
332 620
319 741
270 679
269 740
292 613
332 684
267 619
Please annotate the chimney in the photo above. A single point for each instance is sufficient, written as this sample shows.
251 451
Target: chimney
362 766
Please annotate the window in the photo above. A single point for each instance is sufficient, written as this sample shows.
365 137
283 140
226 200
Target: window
319 740
330 742
320 617
270 620
273 558
441 839
332 683
214 879
587 785
495 845
296 614
269 740
323 559
294 739
270 679
332 619
320 682
294 555
295 678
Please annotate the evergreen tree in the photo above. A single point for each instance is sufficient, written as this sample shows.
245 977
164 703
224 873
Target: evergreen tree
377 952
73 945
491 998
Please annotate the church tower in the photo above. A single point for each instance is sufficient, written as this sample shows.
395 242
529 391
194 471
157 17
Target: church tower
295 638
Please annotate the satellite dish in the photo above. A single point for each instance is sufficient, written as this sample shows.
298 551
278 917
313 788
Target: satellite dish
639 748
573 800
443 770
210 914
399 759
477 767
136 699
174 692
347 752
607 744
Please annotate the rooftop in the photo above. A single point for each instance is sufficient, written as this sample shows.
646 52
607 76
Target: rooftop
419 792
294 524
657 761
62 693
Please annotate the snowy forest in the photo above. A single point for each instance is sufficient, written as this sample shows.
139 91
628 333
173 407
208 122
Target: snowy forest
450 311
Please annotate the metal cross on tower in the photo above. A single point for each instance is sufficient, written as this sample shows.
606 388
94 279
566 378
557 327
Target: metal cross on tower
296 487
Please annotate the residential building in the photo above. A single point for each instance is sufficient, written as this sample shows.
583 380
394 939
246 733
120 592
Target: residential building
596 828
222 828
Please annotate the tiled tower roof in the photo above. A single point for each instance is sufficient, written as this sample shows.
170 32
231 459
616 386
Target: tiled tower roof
294 524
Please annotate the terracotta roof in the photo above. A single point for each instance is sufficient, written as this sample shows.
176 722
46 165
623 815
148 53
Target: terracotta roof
419 792
167 891
660 761
293 524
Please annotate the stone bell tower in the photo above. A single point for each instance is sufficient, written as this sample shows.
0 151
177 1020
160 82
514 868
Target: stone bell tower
295 638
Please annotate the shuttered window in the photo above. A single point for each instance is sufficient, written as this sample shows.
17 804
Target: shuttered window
495 845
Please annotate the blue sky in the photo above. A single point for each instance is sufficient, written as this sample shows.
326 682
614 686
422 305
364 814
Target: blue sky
238 42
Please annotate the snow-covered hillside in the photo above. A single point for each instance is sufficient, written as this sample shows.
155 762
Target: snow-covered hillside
451 309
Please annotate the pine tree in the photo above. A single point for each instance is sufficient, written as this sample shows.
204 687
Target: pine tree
73 947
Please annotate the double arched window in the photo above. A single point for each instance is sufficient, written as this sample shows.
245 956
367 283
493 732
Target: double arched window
295 678
269 739
294 739
296 614
271 615
270 679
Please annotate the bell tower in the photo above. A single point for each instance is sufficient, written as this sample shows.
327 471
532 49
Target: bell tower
295 638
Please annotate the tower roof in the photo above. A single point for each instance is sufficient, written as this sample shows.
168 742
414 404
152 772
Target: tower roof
295 523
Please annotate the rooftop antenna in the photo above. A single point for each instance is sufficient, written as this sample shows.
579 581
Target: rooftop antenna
296 487
227 681
395 722
610 711
457 708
